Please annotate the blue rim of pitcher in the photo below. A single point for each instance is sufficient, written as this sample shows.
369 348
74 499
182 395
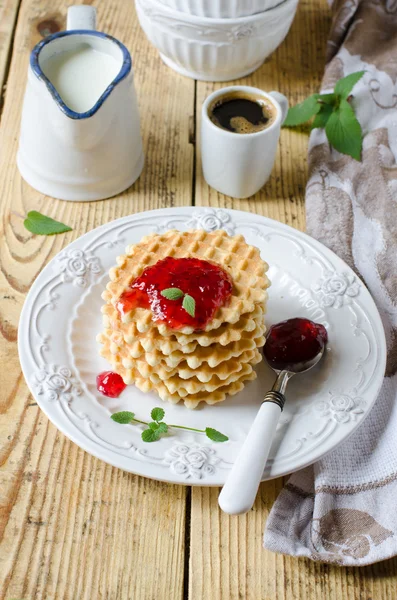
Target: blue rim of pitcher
37 70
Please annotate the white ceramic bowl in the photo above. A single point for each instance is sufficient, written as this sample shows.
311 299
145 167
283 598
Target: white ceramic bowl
220 9
214 49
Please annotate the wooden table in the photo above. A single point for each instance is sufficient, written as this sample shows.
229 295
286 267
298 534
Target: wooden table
71 526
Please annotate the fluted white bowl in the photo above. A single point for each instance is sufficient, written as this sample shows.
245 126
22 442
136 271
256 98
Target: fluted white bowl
220 9
214 49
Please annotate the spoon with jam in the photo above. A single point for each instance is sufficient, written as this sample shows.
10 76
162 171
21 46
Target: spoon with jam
293 346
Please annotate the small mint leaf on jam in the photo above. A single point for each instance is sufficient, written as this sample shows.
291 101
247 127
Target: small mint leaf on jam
215 436
150 435
172 293
189 304
124 417
42 225
157 414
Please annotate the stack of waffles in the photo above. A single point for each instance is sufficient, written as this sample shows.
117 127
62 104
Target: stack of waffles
184 364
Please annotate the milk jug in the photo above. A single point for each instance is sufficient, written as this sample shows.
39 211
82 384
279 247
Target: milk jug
80 136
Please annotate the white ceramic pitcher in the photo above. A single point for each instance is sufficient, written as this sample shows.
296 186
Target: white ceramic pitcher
80 156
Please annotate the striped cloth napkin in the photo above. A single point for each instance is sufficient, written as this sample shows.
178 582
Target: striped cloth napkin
342 510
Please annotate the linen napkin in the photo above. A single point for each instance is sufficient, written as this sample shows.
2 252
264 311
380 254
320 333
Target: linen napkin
342 510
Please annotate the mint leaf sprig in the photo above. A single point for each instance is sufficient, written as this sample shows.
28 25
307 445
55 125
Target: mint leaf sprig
39 224
157 427
188 304
334 113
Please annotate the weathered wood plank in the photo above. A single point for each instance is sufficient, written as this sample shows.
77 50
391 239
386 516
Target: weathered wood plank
72 527
227 561
8 14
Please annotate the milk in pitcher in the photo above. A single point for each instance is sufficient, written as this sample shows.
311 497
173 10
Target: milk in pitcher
81 75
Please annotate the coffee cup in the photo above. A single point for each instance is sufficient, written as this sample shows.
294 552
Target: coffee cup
237 154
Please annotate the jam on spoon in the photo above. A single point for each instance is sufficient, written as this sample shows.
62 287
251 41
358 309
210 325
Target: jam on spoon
292 342
206 283
110 384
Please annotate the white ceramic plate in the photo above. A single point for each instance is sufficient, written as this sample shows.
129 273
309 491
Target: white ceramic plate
60 360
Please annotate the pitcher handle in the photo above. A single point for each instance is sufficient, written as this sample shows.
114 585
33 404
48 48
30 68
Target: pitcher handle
81 17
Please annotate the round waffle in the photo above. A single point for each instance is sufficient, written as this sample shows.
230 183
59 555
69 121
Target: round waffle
150 341
182 371
233 254
189 368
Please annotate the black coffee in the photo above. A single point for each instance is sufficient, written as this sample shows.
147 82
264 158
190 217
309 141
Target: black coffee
242 113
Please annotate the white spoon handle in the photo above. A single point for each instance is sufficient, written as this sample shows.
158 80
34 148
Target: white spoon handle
239 492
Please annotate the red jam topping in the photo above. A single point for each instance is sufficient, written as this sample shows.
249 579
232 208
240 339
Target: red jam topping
207 283
110 384
294 341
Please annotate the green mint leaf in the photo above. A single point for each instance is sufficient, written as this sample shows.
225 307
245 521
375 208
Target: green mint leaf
345 85
172 293
189 304
215 435
327 99
157 414
158 427
163 428
42 225
149 435
344 131
124 417
321 118
300 113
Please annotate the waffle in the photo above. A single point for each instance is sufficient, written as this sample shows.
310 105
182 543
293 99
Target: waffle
176 392
183 364
212 355
204 373
233 254
140 343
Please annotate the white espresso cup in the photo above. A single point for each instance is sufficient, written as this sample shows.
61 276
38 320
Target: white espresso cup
239 164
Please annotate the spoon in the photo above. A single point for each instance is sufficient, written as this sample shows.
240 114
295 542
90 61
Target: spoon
293 346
